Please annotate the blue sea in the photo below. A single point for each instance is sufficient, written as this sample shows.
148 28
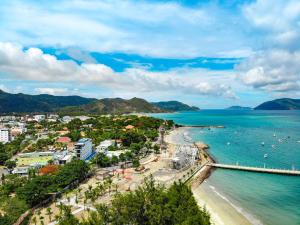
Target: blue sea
272 199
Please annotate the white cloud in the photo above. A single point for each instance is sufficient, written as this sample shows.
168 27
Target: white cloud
272 71
279 21
159 29
53 91
32 64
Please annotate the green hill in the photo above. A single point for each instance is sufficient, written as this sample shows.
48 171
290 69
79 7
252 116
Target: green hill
237 107
21 103
114 106
175 106
280 104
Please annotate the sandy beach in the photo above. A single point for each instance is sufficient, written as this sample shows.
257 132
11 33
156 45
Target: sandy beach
221 211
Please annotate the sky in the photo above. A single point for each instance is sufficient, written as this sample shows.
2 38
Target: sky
212 54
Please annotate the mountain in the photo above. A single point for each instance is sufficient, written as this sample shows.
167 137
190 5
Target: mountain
21 103
175 106
114 106
280 104
237 107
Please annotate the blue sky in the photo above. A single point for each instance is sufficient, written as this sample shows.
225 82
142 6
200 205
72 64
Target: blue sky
212 54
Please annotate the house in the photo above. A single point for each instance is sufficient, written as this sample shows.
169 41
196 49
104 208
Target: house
64 140
84 148
129 127
39 118
52 117
5 135
67 119
104 145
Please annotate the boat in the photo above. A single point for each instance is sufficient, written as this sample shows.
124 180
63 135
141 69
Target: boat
279 140
228 143
298 141
265 156
263 144
274 135
273 146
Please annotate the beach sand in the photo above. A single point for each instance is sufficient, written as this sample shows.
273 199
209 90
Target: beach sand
221 211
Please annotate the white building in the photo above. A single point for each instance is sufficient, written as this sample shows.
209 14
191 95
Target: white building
52 117
39 118
5 135
84 148
67 119
103 146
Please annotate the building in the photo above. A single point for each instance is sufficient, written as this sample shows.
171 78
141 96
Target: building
39 118
53 117
84 148
64 140
185 155
5 136
67 119
104 145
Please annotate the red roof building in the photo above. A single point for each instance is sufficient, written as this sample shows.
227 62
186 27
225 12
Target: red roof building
63 140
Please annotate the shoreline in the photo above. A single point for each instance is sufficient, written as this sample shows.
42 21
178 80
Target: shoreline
221 210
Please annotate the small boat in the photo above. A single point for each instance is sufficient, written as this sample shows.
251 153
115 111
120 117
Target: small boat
274 135
279 140
273 146
228 143
265 156
298 141
263 144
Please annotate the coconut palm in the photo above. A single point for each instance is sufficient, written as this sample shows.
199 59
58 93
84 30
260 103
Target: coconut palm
49 213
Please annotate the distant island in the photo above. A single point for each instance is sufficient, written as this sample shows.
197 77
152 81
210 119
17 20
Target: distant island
236 107
175 106
75 105
280 104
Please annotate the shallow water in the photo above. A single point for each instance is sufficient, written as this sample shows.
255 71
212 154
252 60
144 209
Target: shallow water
272 199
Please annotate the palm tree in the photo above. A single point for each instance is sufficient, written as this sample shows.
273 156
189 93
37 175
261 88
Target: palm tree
84 203
34 220
42 220
49 213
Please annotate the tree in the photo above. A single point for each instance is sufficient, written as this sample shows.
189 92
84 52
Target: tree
102 160
49 213
34 220
3 157
156 149
67 218
136 163
10 164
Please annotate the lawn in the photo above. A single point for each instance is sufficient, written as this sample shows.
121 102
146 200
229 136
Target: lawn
25 161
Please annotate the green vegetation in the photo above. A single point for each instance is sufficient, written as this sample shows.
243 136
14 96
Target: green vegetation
175 106
149 204
28 192
280 104
21 103
9 149
113 106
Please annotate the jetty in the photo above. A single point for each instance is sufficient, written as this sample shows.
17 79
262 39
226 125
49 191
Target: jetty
200 126
256 169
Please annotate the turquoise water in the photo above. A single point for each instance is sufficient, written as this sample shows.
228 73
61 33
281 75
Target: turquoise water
271 199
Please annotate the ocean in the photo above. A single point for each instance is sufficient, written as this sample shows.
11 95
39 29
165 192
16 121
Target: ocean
269 199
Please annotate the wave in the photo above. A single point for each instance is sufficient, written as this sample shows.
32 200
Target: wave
239 209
